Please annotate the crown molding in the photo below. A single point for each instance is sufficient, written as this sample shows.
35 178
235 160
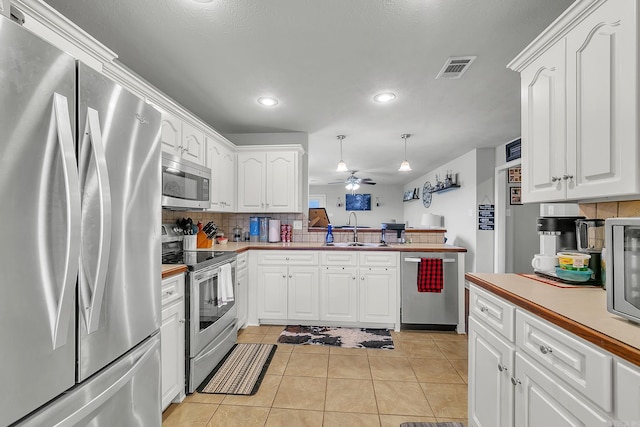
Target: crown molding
554 32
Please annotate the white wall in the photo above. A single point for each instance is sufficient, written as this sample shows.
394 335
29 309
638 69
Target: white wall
475 171
391 205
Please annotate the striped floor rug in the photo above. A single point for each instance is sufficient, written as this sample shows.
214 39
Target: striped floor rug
241 371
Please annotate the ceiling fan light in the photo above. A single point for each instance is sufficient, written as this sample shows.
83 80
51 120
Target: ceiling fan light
352 186
405 167
342 166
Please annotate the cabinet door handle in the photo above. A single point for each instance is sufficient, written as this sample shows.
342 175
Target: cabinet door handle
544 349
501 367
515 381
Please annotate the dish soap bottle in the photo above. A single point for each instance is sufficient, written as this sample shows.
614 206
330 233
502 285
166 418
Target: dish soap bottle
329 237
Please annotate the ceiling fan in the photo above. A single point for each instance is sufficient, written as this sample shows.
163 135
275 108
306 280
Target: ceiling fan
353 182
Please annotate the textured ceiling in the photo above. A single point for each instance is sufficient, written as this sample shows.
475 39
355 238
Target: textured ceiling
324 60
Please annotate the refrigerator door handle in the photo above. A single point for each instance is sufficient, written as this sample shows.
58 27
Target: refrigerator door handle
61 311
94 270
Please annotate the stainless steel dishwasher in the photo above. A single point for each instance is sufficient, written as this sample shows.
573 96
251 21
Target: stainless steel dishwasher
429 310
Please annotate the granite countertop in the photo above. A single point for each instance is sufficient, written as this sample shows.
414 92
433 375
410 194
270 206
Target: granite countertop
582 311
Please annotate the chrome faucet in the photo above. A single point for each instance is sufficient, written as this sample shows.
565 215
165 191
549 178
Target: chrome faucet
355 229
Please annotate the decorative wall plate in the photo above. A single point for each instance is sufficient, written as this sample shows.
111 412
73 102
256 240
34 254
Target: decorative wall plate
426 194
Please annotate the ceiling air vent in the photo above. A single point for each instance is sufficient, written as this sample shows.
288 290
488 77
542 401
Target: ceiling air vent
455 67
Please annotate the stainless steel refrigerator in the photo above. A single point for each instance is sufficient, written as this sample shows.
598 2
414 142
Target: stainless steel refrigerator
80 218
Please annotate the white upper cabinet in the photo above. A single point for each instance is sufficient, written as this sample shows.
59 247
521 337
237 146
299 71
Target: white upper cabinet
269 181
580 105
222 162
181 139
193 146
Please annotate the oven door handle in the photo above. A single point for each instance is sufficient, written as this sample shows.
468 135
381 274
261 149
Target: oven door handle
206 274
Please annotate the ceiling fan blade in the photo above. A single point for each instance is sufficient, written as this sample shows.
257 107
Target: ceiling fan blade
368 183
337 182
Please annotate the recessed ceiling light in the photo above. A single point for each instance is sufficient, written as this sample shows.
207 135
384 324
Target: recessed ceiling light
267 101
384 97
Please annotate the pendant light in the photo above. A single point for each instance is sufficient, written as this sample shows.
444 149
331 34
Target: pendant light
342 167
404 166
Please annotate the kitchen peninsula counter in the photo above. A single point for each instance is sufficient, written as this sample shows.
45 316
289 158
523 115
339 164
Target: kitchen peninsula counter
317 246
172 269
580 310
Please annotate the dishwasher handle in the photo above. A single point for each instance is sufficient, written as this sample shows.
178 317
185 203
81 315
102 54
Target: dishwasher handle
417 260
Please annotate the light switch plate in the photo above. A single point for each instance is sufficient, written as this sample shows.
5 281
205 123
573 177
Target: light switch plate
297 225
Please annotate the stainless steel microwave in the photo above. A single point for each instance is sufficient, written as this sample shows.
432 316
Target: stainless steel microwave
622 260
185 184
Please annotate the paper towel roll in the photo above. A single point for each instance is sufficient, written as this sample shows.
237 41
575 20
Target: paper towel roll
274 230
431 221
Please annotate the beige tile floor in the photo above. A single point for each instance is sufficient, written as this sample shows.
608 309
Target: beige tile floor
423 379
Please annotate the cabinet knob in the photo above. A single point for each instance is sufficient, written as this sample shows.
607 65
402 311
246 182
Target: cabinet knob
515 381
354 277
181 321
284 276
484 309
566 177
501 367
362 278
290 276
555 178
544 349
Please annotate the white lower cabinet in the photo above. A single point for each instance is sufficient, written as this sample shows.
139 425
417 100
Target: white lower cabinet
339 294
543 376
348 288
242 289
491 362
378 302
172 340
543 401
627 393
302 293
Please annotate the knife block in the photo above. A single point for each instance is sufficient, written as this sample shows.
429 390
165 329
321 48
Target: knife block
203 241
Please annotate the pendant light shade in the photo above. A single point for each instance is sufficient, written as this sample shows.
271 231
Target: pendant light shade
342 166
404 166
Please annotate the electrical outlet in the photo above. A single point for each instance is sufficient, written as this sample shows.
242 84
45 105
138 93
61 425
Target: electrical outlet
297 225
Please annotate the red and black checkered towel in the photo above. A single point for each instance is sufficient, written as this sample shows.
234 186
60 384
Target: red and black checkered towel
430 275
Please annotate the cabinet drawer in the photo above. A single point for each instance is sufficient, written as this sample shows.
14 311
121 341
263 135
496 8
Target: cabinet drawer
339 258
241 260
494 312
378 259
288 258
581 365
172 289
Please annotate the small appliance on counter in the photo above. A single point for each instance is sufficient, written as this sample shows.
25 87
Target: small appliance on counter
622 240
590 241
274 231
237 233
398 228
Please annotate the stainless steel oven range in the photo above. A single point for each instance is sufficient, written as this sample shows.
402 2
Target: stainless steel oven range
211 313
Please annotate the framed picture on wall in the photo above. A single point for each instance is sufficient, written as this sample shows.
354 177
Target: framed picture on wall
515 175
515 198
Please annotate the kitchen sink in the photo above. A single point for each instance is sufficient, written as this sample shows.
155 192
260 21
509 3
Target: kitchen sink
355 244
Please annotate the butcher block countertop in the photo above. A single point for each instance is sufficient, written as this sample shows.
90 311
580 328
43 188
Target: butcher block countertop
580 310
313 246
172 269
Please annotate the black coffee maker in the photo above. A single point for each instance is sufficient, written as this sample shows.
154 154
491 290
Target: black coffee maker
557 234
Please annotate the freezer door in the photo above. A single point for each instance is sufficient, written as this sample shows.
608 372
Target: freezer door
39 212
127 394
119 168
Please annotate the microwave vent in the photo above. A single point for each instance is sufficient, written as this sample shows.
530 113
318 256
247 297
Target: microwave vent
455 67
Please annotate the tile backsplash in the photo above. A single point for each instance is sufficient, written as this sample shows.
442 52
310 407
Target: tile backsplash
606 210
